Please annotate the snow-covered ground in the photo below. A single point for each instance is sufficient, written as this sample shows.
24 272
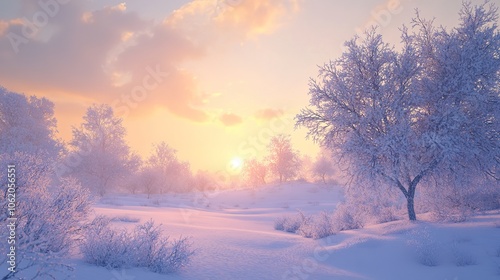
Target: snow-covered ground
234 237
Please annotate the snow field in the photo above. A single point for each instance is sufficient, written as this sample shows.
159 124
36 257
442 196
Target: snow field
234 238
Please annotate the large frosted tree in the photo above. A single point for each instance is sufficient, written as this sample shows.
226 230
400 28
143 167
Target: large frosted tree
428 109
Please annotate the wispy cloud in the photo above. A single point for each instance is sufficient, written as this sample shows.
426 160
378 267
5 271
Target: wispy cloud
230 119
268 114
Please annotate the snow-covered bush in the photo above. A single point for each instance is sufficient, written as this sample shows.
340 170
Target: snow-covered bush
456 199
290 223
425 248
309 226
145 246
103 246
49 215
387 213
365 204
319 226
463 257
125 219
279 223
306 227
346 216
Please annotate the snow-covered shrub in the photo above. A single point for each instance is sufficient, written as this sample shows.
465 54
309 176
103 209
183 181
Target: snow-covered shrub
125 219
309 226
485 196
103 246
290 223
279 223
366 204
145 246
306 225
346 216
463 257
49 215
317 226
451 204
385 214
425 249
455 198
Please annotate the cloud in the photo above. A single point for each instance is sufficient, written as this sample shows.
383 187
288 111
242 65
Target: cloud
232 19
101 56
254 17
230 119
268 114
105 55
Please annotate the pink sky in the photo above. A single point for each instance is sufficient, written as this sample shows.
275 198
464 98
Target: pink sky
215 79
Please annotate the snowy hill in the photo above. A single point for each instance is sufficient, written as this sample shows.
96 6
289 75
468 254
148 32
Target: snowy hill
232 232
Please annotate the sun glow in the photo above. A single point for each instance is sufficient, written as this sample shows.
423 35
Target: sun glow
236 164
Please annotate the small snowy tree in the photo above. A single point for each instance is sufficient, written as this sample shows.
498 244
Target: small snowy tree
105 159
305 168
255 172
323 167
429 109
283 161
172 174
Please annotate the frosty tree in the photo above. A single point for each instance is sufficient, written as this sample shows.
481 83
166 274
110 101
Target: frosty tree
429 109
323 167
49 214
282 159
255 172
27 124
106 158
171 174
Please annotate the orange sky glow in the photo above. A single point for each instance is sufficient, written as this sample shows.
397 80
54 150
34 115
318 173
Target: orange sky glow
215 79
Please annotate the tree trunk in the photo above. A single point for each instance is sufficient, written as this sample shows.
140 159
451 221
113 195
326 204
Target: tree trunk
410 195
411 208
